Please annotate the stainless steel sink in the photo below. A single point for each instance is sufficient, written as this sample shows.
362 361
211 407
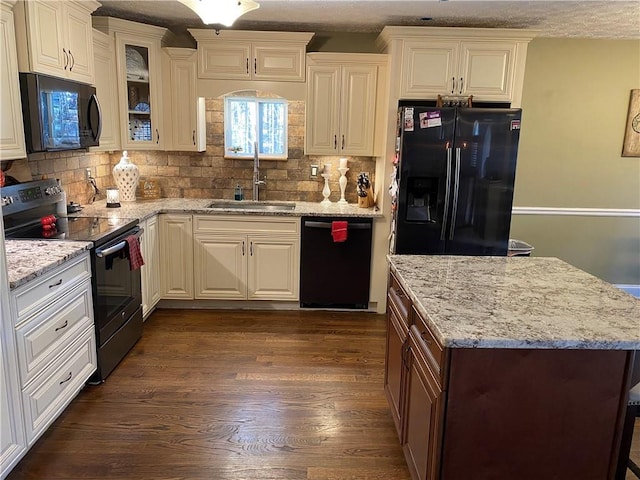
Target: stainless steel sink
262 206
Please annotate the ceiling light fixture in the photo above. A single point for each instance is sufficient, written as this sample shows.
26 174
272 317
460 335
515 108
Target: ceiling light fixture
220 12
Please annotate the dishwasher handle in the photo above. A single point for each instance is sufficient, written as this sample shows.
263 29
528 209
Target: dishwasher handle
327 225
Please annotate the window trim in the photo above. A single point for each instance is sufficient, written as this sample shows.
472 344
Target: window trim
257 100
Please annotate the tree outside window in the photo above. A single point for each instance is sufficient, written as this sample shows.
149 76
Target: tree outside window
249 120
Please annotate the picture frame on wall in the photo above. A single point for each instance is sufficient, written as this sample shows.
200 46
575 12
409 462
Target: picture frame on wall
631 145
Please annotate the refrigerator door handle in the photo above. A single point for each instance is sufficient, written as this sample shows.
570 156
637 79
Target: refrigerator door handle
456 188
447 192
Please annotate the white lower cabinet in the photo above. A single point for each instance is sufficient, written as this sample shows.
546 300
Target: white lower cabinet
150 272
55 346
246 258
274 268
176 256
13 443
48 395
221 266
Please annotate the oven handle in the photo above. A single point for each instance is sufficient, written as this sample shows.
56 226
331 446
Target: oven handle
103 252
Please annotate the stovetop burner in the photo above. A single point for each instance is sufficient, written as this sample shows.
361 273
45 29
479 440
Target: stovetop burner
89 229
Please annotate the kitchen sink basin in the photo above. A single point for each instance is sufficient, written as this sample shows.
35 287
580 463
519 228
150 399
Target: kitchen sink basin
262 206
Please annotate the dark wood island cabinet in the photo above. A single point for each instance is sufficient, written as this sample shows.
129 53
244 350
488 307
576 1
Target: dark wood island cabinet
486 380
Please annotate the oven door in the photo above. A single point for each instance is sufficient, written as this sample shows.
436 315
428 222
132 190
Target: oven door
117 288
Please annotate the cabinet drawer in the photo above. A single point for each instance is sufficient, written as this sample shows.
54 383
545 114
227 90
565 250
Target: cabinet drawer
433 351
245 224
39 292
52 391
399 299
42 338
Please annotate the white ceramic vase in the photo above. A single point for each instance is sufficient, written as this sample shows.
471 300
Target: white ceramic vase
126 176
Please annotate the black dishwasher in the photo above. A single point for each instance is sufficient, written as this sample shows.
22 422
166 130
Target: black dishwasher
335 274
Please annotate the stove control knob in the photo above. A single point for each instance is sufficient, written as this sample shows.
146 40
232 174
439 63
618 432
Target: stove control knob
7 201
51 190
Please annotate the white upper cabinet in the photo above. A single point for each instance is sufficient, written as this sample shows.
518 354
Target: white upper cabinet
486 63
139 70
55 38
429 68
184 119
107 89
244 55
12 144
342 90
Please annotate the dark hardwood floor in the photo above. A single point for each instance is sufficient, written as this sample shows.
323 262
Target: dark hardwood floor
235 395
222 395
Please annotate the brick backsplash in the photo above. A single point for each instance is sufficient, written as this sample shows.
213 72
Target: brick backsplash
208 174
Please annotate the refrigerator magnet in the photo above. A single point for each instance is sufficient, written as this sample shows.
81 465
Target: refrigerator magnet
408 119
430 119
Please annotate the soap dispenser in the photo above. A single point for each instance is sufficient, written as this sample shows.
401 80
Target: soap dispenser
238 194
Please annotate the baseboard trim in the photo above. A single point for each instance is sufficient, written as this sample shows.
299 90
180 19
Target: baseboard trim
584 212
630 289
249 305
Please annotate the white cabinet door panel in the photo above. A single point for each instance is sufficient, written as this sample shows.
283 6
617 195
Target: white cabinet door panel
12 144
273 269
79 46
428 68
357 118
487 69
176 256
221 267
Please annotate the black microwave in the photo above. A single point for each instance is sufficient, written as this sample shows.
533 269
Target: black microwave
59 114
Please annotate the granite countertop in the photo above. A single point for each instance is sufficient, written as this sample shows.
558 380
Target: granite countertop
144 209
518 302
28 259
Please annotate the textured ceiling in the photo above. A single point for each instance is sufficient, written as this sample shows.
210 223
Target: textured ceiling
587 19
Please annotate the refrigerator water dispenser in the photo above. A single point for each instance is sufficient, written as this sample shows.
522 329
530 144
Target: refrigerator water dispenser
422 194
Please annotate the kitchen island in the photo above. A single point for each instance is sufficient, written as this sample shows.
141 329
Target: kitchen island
507 367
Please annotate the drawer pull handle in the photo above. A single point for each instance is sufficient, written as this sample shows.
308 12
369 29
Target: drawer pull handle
59 282
422 334
66 322
67 379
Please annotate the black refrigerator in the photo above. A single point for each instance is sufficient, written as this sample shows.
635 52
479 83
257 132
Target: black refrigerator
454 180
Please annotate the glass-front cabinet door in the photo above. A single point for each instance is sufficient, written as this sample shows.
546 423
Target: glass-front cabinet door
140 93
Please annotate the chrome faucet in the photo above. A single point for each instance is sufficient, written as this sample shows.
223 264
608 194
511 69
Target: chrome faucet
256 172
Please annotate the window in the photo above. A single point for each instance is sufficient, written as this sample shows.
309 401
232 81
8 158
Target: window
250 120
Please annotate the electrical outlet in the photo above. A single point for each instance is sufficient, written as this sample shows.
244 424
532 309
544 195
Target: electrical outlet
87 174
314 170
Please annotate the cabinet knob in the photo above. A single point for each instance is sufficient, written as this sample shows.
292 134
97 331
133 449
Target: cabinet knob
461 85
422 334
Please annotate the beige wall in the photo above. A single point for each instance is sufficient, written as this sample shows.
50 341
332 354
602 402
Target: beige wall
575 100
